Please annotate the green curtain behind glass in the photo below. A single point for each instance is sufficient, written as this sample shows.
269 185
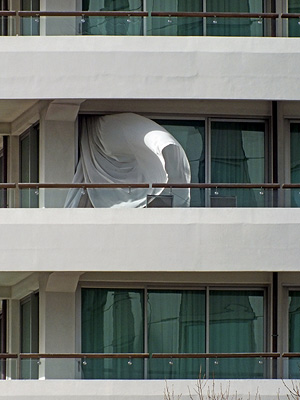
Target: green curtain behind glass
112 25
294 332
175 26
112 322
238 156
234 26
176 324
191 136
236 325
295 162
294 27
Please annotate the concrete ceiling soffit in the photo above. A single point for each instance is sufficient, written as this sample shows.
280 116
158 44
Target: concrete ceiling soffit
5 292
5 128
26 286
63 111
63 282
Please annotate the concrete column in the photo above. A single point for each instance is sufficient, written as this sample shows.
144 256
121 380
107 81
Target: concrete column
57 327
57 158
13 173
59 25
13 336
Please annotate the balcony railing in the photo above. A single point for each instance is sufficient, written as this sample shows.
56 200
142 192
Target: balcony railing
157 23
138 365
53 195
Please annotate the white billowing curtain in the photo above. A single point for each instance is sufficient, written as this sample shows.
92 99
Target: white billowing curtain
128 148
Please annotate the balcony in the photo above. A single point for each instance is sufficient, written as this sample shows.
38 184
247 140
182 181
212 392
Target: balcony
156 195
149 23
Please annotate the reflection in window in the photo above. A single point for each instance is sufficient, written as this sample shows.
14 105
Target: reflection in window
175 26
30 25
112 25
294 27
236 154
30 335
295 162
3 20
234 26
29 165
172 321
294 332
236 325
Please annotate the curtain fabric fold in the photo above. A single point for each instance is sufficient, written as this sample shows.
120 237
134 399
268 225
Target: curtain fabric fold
128 148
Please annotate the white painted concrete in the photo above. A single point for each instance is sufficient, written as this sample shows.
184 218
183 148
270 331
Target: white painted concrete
141 390
149 68
171 240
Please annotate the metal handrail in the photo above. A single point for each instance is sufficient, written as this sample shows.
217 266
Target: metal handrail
8 185
216 355
202 14
290 355
82 185
290 186
82 13
8 13
5 356
290 15
38 185
213 14
218 185
83 355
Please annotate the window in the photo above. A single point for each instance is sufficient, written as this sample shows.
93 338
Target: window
295 161
208 320
294 331
3 171
3 20
29 165
225 152
294 28
3 327
30 26
30 334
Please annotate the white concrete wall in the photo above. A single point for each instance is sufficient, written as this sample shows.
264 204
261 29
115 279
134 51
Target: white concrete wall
149 67
150 239
142 390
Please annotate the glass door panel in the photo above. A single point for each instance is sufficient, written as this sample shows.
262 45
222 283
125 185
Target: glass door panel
238 156
176 324
236 325
112 322
295 162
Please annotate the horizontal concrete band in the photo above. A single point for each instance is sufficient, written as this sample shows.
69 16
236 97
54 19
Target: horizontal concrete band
77 67
142 390
149 240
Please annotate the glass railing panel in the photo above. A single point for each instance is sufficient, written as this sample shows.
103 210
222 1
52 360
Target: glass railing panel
82 368
158 197
174 26
239 197
176 368
7 25
292 197
293 366
8 368
116 26
112 368
216 26
239 368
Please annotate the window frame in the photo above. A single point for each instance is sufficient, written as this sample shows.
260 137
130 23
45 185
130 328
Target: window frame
145 287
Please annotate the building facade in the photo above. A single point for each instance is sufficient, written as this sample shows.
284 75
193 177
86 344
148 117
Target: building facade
156 294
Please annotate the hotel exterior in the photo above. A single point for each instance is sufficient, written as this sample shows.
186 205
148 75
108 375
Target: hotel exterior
123 301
